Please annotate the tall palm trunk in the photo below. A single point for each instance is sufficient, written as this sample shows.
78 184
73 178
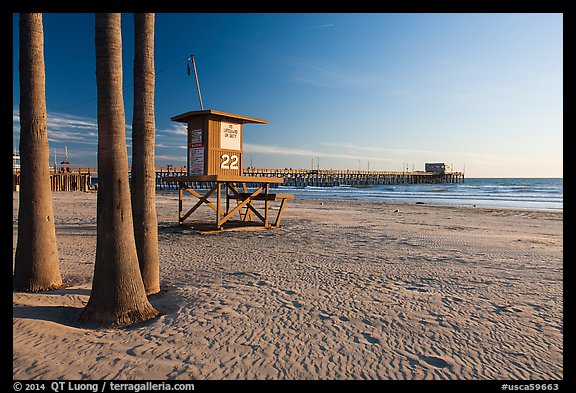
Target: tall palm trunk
36 260
118 296
143 166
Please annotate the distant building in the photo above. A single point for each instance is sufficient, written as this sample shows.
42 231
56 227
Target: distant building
15 162
437 167
65 165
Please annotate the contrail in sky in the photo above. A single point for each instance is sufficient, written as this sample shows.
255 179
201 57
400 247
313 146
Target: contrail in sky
321 26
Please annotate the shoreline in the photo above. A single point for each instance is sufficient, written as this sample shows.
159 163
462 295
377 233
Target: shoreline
445 205
363 290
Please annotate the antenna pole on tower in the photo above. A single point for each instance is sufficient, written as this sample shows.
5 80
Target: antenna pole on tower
197 83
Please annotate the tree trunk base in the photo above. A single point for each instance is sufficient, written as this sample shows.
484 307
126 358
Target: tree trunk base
36 287
112 318
152 291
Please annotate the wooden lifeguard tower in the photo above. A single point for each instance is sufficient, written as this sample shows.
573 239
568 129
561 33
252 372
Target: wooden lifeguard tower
215 155
215 141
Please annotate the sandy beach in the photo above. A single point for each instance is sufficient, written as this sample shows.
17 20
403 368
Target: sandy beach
340 292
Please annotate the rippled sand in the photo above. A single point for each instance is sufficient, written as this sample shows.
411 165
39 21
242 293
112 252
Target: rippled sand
341 291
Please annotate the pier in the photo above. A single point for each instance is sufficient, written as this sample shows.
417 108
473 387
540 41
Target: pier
80 179
326 177
331 178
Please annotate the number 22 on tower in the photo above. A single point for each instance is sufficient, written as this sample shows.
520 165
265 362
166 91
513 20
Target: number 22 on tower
229 161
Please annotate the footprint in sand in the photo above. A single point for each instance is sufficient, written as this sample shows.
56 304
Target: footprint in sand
535 307
501 309
414 286
370 339
136 351
434 361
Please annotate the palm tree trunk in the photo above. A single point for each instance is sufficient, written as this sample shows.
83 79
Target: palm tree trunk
143 165
118 297
36 260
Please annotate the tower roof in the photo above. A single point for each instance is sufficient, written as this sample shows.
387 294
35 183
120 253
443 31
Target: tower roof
185 117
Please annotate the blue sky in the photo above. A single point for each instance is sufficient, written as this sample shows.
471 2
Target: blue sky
384 91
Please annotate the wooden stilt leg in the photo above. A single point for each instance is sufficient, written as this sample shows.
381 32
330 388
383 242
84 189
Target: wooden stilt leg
266 207
218 225
227 198
280 211
248 214
180 220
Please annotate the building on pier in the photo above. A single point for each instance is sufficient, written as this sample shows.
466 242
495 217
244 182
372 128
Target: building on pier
437 167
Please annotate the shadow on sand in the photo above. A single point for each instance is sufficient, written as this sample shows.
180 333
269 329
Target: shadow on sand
62 315
69 316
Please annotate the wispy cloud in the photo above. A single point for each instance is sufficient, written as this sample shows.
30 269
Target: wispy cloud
322 74
524 72
174 129
375 149
328 75
169 146
290 151
173 137
169 158
470 158
59 121
484 91
66 128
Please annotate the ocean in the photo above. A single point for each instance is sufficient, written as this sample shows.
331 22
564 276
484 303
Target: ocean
523 193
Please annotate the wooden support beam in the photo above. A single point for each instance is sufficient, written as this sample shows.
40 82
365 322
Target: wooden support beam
245 202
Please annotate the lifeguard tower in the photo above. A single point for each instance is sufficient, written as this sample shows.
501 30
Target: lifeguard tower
215 141
215 156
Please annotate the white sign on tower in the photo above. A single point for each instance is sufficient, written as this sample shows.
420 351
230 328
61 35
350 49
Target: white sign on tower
230 135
